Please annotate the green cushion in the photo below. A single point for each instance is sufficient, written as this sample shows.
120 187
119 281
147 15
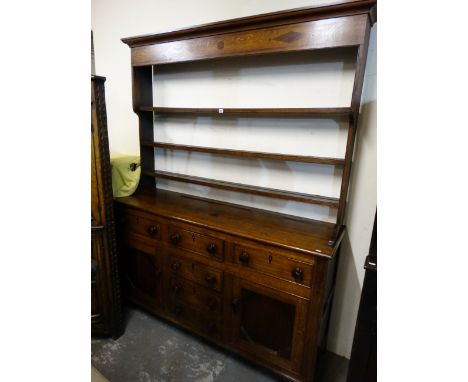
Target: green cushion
126 172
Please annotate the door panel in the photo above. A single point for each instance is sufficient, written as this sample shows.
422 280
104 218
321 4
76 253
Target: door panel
142 275
268 323
281 321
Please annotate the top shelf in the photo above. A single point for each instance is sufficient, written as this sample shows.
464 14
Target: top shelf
254 112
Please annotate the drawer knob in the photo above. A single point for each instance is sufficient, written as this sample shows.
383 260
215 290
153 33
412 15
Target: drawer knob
212 303
177 288
212 248
244 258
152 230
297 273
175 238
210 279
175 266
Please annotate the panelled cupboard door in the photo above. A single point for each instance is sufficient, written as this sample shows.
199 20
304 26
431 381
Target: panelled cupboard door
268 323
142 275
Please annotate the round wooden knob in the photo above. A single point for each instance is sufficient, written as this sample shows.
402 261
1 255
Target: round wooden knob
297 273
152 230
175 238
244 257
212 248
175 266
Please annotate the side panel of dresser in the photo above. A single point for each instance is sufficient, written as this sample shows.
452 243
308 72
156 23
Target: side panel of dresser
266 308
105 291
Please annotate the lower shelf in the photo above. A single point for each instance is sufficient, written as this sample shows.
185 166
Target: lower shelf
238 187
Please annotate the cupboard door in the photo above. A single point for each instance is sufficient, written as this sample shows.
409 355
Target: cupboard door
269 324
142 275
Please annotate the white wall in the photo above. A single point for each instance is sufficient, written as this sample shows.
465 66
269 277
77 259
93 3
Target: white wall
362 201
319 79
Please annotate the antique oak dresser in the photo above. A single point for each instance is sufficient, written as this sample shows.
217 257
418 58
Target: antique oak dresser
255 282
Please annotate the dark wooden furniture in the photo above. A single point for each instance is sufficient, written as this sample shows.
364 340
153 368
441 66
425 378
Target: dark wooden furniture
255 282
363 362
106 317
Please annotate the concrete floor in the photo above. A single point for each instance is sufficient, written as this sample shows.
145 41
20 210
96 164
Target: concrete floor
152 350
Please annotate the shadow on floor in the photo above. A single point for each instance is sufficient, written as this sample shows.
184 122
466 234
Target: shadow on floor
177 356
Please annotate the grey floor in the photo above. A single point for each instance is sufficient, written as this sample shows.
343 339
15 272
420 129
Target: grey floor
151 350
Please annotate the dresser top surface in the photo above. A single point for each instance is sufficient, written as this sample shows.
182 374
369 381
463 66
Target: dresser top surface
290 232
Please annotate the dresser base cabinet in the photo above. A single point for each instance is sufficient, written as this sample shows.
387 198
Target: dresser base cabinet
188 260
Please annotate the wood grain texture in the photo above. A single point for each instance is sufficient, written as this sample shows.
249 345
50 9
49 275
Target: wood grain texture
207 308
318 34
339 8
304 235
250 320
255 282
246 154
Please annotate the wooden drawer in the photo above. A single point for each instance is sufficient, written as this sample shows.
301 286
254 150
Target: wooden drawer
149 228
273 264
202 274
205 245
201 322
181 290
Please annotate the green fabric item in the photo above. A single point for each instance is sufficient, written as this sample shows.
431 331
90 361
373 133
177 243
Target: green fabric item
126 172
